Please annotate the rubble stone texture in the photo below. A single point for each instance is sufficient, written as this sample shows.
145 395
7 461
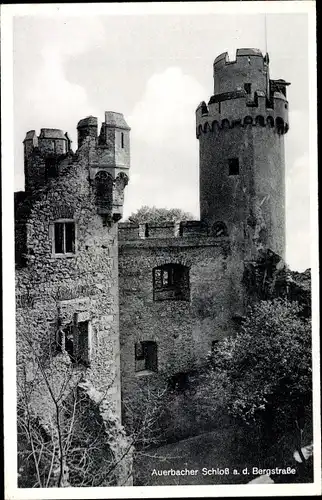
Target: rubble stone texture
107 278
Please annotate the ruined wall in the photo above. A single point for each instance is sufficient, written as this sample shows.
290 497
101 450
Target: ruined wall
58 286
183 330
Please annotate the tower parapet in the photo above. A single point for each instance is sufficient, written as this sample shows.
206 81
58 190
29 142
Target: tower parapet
107 157
241 141
244 95
42 155
109 160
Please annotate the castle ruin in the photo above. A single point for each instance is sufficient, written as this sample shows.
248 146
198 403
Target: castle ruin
136 304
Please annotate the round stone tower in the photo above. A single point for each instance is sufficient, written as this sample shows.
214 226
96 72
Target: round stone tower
241 143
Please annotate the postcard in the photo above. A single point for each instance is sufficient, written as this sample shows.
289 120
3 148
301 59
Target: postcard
160 250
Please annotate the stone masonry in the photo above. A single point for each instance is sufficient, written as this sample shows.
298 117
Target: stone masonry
242 195
142 304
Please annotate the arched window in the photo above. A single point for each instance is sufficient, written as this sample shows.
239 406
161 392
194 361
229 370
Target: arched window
171 282
270 121
279 125
146 356
215 126
260 120
220 229
104 191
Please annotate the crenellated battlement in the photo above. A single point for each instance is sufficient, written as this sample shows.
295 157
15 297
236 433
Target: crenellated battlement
242 56
238 109
107 156
184 229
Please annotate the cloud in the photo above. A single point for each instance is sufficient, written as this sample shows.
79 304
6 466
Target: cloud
298 214
164 146
47 98
167 107
53 101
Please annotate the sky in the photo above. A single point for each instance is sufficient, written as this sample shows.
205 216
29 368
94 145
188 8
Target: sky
155 69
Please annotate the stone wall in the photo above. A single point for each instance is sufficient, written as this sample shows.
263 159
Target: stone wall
183 330
52 288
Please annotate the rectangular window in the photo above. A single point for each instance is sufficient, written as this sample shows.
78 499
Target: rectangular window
146 356
248 88
171 282
233 166
122 140
64 235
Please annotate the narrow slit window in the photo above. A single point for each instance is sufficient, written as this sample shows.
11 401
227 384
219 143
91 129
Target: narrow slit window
248 88
233 164
122 140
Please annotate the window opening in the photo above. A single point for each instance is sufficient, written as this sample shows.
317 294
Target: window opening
233 166
171 282
64 237
248 88
146 357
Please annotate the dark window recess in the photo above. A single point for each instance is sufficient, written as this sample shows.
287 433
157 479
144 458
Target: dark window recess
122 140
83 343
74 339
220 229
214 345
178 382
146 356
51 170
233 164
248 88
219 107
171 282
69 342
64 237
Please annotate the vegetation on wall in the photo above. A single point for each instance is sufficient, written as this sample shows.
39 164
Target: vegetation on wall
154 215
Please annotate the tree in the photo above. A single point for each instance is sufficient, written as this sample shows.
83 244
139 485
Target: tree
68 432
263 374
154 215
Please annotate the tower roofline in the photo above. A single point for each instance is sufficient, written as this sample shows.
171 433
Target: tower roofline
250 52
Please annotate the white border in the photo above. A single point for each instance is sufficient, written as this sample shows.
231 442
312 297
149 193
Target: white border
198 8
